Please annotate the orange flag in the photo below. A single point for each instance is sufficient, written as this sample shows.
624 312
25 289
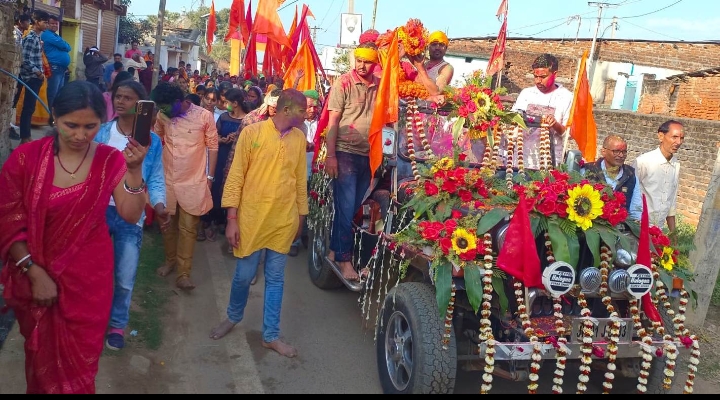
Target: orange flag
267 21
211 28
386 103
582 122
236 20
302 60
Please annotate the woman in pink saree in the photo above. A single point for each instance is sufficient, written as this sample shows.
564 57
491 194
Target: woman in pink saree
57 260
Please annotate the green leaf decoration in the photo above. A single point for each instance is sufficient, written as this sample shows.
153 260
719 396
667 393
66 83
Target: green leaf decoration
608 237
568 227
501 200
499 287
535 224
518 119
573 249
474 285
491 219
592 237
666 278
634 227
443 287
458 127
559 241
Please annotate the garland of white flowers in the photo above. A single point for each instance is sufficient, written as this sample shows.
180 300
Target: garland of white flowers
449 317
414 110
645 347
536 356
519 137
688 340
669 346
497 157
561 341
545 159
486 335
587 348
511 134
487 153
606 257
410 138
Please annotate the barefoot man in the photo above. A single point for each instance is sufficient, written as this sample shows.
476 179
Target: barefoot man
266 200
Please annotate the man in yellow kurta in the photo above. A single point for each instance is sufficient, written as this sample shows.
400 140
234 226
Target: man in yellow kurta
265 196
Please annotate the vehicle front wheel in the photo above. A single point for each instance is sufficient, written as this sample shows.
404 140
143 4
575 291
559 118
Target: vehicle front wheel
408 344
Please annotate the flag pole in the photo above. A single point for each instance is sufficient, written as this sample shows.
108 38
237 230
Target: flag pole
498 83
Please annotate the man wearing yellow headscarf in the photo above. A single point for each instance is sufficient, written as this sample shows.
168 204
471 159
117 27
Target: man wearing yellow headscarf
437 68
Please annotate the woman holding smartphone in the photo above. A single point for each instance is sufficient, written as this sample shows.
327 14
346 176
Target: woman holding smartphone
127 236
54 241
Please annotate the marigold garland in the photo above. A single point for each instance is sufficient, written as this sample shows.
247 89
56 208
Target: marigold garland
519 152
645 347
511 135
536 356
669 347
690 341
587 347
414 37
614 324
545 158
486 334
448 317
561 341
410 141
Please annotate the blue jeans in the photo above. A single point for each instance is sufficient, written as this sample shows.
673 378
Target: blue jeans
127 240
274 281
348 192
28 109
54 83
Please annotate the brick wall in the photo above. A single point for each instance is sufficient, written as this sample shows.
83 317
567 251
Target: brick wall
520 53
655 98
9 61
699 97
697 155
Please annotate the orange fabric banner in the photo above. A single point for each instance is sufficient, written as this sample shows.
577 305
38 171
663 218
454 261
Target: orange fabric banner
236 20
302 60
582 122
267 21
211 28
386 103
497 60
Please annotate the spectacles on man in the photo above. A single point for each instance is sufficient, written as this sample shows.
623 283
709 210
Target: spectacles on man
617 153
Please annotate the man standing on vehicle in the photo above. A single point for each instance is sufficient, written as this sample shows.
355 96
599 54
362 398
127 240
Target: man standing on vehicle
351 105
546 98
57 51
659 174
266 204
611 168
439 70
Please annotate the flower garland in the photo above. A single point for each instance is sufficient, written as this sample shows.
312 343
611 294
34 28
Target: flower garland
519 153
536 356
587 347
497 159
561 342
408 89
645 347
414 37
410 139
486 334
420 129
690 341
509 168
486 157
545 159
605 257
669 347
449 317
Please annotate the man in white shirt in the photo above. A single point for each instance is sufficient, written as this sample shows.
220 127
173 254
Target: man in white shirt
549 99
659 174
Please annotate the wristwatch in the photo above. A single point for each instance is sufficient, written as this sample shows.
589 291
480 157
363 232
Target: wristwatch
211 178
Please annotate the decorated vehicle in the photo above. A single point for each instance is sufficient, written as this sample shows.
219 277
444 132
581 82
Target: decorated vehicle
470 260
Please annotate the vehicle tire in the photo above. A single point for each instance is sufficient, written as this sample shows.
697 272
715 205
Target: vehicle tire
321 274
409 349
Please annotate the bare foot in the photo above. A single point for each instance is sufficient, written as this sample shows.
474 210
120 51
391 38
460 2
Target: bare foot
185 283
281 347
331 255
347 270
165 269
221 330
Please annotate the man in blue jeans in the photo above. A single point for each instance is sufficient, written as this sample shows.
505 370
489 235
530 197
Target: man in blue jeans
31 72
266 200
57 52
351 105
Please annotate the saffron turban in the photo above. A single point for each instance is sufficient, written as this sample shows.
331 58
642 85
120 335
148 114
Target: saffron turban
366 54
438 37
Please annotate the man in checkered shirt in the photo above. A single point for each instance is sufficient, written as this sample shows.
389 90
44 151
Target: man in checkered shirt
31 71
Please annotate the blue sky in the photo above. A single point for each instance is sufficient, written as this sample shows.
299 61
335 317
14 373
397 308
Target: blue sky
690 20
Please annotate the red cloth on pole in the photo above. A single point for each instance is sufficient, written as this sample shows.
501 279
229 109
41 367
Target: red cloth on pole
211 28
497 59
518 256
644 258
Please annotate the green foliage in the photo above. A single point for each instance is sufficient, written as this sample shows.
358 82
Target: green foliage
341 62
131 28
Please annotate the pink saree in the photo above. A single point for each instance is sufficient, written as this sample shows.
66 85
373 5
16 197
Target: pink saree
67 235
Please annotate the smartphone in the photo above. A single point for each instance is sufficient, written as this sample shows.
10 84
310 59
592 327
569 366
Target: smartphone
144 111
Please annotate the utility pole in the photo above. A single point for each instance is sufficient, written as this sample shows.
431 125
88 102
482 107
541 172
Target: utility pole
351 6
314 30
614 28
158 42
372 26
600 7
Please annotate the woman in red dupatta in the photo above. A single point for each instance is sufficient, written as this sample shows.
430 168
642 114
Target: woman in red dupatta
54 243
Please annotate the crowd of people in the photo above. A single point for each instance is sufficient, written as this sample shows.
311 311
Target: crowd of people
226 158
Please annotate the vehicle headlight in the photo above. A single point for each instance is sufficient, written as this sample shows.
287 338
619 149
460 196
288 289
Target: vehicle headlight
626 257
500 239
618 280
590 279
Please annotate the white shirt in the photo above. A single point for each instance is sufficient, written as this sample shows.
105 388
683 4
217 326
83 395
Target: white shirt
118 141
659 180
310 130
559 102
137 66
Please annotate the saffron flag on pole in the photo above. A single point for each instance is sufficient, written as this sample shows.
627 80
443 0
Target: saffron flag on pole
497 60
303 60
211 28
386 104
236 20
267 21
582 122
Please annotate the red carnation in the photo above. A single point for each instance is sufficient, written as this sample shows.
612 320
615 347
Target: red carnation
455 214
465 195
445 245
431 189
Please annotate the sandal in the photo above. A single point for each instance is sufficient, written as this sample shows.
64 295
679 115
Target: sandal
165 269
210 234
201 235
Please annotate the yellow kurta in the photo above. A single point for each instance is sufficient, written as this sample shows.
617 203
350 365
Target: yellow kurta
267 183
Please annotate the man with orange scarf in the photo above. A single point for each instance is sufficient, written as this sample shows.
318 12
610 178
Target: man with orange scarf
351 105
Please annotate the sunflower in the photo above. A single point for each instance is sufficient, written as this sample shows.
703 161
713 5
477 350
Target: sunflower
584 205
463 241
484 102
444 164
666 260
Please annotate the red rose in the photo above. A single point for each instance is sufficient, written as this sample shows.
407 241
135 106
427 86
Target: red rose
431 189
322 202
462 157
450 226
465 195
561 210
468 255
445 245
459 174
478 204
547 206
449 186
560 176
599 187
314 195
455 214
431 232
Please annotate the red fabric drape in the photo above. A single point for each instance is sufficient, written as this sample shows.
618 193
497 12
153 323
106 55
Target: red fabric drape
644 258
518 256
236 20
67 235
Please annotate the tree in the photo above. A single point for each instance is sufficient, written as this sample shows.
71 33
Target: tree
341 61
130 28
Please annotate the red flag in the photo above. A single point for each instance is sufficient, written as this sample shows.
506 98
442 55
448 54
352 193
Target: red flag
644 258
268 21
518 256
497 60
321 127
582 122
251 62
502 10
248 23
236 20
386 104
211 28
